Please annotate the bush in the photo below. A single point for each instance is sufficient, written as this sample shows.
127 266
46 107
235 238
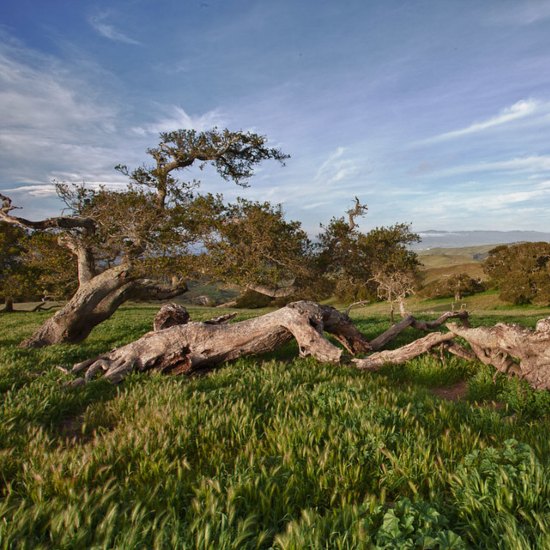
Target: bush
521 272
455 286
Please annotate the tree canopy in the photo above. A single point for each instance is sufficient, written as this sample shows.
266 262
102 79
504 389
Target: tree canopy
136 243
351 260
521 272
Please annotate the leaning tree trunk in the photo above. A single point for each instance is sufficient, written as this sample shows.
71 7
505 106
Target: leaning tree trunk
94 302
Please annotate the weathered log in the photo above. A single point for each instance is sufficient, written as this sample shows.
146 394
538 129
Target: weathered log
191 346
512 349
178 346
170 315
403 354
410 321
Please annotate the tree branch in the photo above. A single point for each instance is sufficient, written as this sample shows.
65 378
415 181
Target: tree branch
60 222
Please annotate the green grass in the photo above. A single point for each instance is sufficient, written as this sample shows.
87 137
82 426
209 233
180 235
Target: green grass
272 452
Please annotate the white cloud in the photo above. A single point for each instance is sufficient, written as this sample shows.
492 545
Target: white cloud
35 190
519 110
57 125
336 168
496 200
98 22
176 118
54 125
521 13
535 163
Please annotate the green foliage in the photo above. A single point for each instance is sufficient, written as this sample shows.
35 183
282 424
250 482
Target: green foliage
503 496
521 272
252 244
34 265
267 452
350 259
253 300
406 525
456 286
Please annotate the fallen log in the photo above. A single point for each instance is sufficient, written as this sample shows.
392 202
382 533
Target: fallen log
180 346
403 354
184 348
512 349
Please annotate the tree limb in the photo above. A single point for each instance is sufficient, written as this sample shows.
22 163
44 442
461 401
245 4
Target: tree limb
60 222
410 321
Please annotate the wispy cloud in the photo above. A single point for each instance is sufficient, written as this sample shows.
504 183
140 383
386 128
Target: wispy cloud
336 168
176 118
521 13
530 164
452 208
55 125
520 109
104 28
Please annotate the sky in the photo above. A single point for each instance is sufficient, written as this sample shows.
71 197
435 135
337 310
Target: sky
434 113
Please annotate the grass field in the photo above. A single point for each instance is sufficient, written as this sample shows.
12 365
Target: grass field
439 263
271 452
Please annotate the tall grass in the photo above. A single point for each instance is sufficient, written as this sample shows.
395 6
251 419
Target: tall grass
266 453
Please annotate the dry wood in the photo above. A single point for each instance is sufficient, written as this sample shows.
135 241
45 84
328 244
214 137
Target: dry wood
188 347
512 349
179 346
405 353
410 321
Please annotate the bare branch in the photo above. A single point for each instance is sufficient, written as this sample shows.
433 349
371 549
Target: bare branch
357 211
61 222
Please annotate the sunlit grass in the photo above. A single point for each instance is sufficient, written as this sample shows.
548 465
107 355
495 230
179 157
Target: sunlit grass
269 452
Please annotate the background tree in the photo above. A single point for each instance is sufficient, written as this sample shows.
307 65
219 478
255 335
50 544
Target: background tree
521 272
117 236
349 259
252 245
394 287
456 286
11 249
33 266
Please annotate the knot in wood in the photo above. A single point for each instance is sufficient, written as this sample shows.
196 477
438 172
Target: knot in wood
170 315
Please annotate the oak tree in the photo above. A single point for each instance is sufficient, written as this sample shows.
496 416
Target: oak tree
119 238
521 272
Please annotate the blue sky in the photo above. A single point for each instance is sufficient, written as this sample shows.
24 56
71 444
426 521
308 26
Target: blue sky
432 112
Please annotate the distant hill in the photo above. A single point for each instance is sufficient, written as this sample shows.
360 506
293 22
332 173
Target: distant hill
439 262
451 239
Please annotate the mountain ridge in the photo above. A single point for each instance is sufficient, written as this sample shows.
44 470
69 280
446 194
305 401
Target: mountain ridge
433 238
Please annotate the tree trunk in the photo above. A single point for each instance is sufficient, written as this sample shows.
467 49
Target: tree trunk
94 302
512 349
191 346
402 308
8 305
186 347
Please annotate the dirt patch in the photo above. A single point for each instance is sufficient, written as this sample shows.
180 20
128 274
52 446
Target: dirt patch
456 392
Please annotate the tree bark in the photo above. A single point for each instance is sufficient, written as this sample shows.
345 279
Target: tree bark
8 305
512 349
94 302
186 348
189 346
178 346
403 354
